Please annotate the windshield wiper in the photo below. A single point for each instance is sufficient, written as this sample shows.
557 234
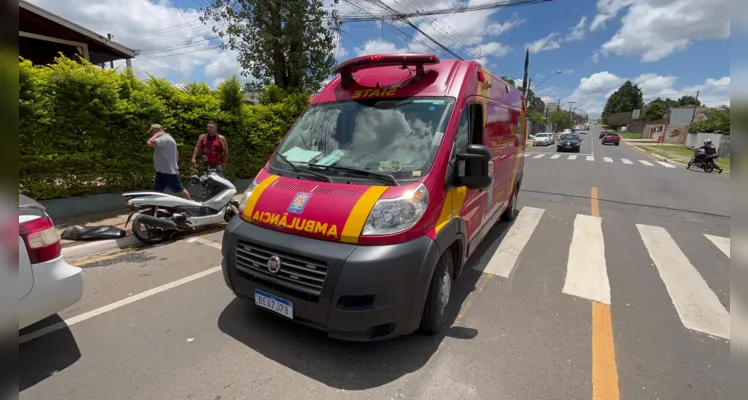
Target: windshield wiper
298 169
380 175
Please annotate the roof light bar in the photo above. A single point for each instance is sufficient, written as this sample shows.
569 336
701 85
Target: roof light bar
347 68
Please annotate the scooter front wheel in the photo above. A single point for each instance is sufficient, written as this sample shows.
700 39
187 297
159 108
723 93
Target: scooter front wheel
150 235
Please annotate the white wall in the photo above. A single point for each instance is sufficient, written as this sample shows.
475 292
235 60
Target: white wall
697 139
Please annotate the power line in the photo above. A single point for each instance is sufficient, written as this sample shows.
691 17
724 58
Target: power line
184 52
412 25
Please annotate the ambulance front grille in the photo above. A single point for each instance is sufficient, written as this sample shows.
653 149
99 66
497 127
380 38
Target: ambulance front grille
299 274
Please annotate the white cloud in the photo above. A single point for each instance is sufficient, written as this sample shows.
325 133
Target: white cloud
498 28
607 9
579 30
459 31
474 39
593 91
599 82
553 40
378 46
655 29
494 49
653 83
550 42
157 29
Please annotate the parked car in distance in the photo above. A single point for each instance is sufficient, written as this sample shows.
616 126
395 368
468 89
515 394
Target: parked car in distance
566 131
47 284
569 142
543 139
611 137
531 137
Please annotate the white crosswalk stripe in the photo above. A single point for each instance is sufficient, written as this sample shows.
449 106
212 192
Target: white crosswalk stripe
605 159
586 274
586 271
722 243
698 307
664 164
505 257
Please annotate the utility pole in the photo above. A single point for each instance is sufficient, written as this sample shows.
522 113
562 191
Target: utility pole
693 116
111 63
571 103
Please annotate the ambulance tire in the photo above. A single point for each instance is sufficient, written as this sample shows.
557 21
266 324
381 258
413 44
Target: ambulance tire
436 309
511 210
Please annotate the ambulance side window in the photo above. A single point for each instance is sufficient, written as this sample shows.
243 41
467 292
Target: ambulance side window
470 128
461 139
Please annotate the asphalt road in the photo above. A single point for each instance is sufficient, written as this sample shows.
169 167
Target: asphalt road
615 291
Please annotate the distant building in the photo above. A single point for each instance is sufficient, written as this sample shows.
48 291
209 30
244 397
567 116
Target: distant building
683 116
42 35
550 107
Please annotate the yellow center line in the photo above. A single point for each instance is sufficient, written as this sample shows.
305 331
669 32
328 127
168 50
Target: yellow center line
594 207
604 369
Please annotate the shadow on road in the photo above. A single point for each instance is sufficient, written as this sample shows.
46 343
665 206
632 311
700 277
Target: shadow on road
45 356
347 365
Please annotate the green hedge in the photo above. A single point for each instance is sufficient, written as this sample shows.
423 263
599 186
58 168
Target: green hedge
83 129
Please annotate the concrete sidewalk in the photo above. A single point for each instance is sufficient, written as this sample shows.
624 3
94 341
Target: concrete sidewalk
72 249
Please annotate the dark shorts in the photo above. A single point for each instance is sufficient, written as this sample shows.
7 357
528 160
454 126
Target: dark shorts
171 181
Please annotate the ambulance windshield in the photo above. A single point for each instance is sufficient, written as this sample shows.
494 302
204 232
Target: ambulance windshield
399 137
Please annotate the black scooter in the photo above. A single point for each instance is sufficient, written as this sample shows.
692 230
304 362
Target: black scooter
703 161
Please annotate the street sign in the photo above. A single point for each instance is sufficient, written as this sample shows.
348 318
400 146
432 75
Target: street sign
635 114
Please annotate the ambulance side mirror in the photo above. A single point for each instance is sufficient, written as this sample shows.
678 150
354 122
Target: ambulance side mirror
473 167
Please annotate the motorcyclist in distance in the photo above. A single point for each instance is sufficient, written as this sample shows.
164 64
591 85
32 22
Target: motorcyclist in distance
709 152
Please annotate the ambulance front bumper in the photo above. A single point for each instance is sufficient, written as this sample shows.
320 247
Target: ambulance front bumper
353 292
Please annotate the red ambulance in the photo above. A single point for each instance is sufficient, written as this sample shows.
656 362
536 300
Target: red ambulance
365 214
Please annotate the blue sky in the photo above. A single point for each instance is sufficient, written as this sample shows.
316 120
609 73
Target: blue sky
670 48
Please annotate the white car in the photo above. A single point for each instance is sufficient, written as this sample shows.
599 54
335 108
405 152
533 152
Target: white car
566 131
543 139
47 284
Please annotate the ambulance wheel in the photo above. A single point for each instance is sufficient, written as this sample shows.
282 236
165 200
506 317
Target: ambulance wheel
511 211
436 309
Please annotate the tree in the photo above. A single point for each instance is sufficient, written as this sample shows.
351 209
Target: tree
626 99
534 102
718 121
654 111
560 119
283 42
618 119
688 101
536 117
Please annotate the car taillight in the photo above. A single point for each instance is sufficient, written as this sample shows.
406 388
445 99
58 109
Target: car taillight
41 239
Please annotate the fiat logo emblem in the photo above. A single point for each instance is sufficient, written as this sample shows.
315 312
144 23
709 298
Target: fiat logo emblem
274 264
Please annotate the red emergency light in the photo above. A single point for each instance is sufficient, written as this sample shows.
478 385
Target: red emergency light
347 68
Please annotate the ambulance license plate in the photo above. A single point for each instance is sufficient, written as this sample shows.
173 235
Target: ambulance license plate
274 303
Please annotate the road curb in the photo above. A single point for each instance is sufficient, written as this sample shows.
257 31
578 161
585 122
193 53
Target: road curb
654 156
86 249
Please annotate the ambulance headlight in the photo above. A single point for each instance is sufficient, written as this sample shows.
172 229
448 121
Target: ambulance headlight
247 194
389 216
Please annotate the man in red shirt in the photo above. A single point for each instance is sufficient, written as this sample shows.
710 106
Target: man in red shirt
214 147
